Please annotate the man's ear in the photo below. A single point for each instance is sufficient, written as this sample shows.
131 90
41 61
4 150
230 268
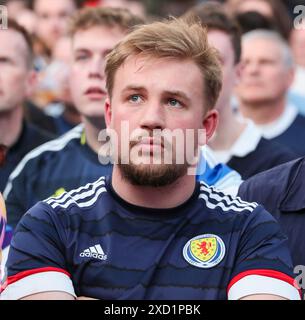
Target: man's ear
108 112
210 123
31 83
290 77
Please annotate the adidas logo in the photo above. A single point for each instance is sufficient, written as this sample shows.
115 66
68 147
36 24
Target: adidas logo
94 252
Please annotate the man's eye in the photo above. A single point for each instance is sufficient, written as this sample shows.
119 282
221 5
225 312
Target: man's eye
4 60
81 57
174 103
63 14
135 98
44 16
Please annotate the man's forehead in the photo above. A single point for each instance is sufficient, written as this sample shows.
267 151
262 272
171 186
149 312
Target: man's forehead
11 39
142 61
52 6
221 41
144 71
260 42
262 47
97 36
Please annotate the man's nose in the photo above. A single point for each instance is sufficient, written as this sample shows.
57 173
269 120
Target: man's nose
153 116
252 67
96 68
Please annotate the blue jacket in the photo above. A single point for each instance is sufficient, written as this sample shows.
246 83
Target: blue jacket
280 191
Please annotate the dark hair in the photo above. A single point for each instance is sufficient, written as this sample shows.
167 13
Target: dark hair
214 17
13 25
252 20
280 16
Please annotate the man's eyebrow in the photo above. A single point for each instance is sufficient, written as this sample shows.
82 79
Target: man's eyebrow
134 88
174 93
81 50
5 57
177 93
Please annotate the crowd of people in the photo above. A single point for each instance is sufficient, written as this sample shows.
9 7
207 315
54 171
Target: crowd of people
74 223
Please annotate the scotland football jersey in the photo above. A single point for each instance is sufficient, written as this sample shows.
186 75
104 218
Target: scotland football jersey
59 165
90 242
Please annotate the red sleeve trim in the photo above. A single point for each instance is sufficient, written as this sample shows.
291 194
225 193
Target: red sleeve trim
266 273
24 274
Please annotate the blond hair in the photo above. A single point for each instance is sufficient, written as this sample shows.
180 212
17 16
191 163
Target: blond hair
105 17
175 38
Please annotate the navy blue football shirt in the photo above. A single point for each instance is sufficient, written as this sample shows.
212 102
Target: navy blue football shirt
90 242
59 165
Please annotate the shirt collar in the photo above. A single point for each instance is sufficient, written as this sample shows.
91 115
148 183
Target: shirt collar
245 144
280 125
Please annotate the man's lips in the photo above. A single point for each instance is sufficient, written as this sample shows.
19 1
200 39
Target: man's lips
95 92
149 145
153 142
253 84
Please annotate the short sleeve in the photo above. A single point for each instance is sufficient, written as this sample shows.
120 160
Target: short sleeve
263 264
36 261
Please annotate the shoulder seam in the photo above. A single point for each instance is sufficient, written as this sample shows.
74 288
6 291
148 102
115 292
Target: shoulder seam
225 202
82 197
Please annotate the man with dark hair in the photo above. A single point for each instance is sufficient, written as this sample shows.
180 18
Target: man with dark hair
150 231
52 19
17 79
237 142
72 160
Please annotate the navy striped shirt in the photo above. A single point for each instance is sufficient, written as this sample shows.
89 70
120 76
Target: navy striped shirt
90 242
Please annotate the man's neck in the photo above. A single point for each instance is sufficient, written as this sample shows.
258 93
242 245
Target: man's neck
71 116
263 113
166 197
92 131
11 126
228 131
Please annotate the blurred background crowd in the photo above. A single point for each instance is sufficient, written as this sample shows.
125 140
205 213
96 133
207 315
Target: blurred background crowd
47 22
49 106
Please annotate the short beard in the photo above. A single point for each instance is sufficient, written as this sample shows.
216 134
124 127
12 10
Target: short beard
152 175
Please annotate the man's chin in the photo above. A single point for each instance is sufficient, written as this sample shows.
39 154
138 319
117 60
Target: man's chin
152 175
